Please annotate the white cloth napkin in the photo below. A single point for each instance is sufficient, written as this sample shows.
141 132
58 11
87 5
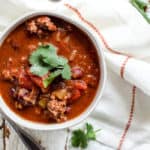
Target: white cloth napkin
123 112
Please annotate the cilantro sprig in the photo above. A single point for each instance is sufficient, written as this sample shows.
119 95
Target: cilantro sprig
44 60
81 138
142 6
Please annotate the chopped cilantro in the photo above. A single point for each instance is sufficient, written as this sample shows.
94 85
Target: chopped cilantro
66 73
90 132
80 138
40 53
45 59
51 77
55 61
39 70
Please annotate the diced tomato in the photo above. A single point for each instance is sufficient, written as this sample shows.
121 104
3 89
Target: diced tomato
37 80
75 96
24 80
80 84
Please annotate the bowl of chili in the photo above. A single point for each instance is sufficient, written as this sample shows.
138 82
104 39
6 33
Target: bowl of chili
52 71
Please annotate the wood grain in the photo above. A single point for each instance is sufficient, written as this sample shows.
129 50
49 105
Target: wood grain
49 139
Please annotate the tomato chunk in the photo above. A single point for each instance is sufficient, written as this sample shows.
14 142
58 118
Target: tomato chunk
80 84
37 80
24 80
75 95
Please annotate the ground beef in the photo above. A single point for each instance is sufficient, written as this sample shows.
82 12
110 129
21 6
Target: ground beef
57 110
31 26
9 74
77 84
40 26
46 23
91 80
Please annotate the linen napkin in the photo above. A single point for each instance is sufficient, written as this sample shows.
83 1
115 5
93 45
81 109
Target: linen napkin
123 111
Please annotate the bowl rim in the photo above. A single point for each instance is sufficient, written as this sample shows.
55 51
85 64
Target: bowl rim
56 126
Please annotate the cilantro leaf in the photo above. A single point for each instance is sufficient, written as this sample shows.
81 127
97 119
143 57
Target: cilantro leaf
66 72
141 4
62 61
51 60
141 7
79 139
51 77
39 70
55 61
45 59
90 132
42 52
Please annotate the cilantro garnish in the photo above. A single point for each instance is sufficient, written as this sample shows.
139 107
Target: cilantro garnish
80 138
45 59
142 6
51 77
66 73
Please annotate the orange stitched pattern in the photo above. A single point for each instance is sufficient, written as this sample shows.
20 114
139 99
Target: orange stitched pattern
123 66
94 28
129 120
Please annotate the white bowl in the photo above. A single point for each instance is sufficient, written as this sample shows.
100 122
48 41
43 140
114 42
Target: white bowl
39 126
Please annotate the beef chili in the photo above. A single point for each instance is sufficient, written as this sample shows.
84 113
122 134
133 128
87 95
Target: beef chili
49 70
